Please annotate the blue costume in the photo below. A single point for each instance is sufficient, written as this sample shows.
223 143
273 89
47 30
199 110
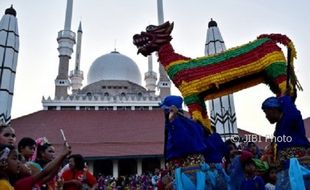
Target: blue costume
216 148
184 136
255 183
187 149
290 131
236 173
216 177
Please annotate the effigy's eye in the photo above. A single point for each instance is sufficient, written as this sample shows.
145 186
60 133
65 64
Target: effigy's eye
150 27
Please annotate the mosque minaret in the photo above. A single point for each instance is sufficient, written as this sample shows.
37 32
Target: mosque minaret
66 41
76 75
9 48
222 109
150 76
164 83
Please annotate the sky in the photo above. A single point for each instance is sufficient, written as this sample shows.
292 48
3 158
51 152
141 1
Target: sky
109 24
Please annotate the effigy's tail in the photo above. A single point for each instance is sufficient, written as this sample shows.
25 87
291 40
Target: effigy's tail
283 39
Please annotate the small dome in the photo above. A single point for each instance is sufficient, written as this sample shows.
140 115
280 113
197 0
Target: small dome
10 11
212 23
114 66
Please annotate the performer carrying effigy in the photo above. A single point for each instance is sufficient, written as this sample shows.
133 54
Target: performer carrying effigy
192 154
290 139
184 146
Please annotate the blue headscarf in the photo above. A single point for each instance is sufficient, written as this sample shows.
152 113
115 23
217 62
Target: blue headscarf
271 102
170 101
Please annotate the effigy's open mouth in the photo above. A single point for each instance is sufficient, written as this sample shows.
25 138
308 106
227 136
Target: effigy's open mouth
142 41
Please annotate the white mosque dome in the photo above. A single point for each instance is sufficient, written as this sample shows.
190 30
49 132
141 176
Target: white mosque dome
114 66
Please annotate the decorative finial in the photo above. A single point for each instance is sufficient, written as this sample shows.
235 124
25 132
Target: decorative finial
115 45
80 27
115 51
10 11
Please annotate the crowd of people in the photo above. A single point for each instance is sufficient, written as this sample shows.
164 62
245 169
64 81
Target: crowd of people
196 158
147 181
32 165
281 165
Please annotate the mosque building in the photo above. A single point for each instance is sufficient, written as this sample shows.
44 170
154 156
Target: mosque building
113 121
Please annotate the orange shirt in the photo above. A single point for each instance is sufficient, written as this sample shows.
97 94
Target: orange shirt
78 175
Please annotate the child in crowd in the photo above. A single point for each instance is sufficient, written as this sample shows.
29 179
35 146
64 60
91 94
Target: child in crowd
7 135
271 178
252 147
26 147
251 181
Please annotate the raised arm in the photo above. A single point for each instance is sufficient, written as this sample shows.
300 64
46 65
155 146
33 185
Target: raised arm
51 169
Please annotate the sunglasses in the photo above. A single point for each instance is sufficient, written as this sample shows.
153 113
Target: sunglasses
9 134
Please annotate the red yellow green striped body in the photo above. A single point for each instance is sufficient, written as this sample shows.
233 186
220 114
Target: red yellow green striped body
209 77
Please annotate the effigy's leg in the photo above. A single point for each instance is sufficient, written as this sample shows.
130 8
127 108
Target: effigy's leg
197 109
276 78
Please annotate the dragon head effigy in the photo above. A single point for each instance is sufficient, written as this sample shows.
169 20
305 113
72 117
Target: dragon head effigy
153 38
